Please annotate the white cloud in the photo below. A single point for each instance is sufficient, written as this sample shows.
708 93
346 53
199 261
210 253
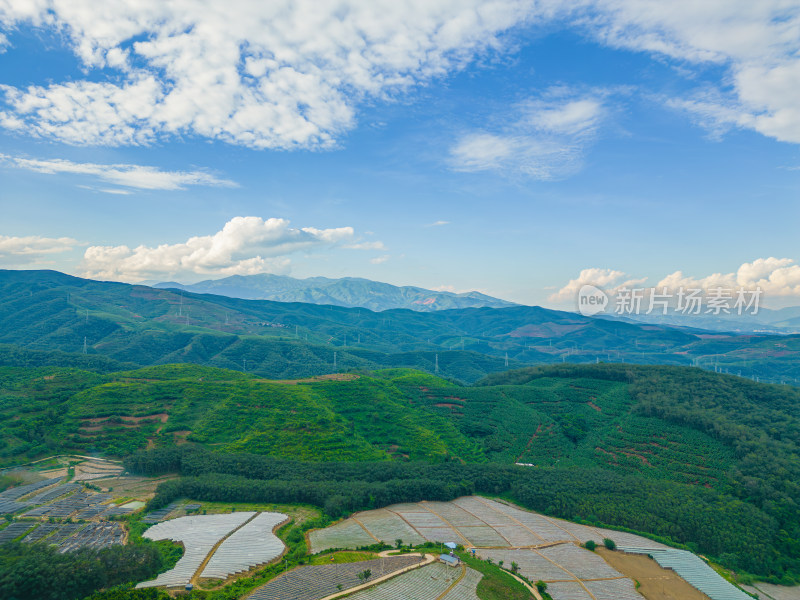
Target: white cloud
27 250
757 42
543 138
278 74
378 260
366 246
4 43
437 224
244 246
608 279
132 176
775 277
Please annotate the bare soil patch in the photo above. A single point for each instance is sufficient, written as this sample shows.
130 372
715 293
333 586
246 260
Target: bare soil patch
656 582
315 379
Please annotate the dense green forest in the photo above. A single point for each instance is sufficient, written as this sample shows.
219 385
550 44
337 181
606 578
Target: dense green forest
50 311
705 459
740 535
40 571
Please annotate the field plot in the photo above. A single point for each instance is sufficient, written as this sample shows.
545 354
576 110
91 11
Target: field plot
9 507
532 565
425 583
54 493
159 515
311 583
568 590
614 589
386 525
346 534
18 492
694 570
582 563
198 534
13 531
254 544
569 571
94 535
466 589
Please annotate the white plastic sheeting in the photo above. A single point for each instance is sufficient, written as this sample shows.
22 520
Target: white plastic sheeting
199 534
693 569
254 544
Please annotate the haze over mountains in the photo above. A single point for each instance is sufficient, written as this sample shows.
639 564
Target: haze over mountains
347 291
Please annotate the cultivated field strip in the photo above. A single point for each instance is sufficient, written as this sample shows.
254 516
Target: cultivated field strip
56 492
18 492
319 581
456 516
569 590
582 563
425 583
346 534
386 525
614 589
472 521
531 565
13 531
254 544
94 535
466 589
693 569
199 535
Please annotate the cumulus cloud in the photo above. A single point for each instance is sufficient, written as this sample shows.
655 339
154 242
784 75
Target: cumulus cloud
543 138
292 73
608 279
244 246
27 250
774 276
132 176
379 260
281 74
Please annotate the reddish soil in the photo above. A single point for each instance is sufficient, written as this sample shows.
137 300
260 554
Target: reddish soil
546 330
639 456
315 379
656 582
606 452
446 405
594 406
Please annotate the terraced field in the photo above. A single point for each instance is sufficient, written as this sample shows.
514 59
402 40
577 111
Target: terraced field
544 548
471 521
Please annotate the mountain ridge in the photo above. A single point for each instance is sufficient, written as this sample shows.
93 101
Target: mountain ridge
353 292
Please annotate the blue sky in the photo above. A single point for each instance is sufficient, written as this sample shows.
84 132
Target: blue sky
516 148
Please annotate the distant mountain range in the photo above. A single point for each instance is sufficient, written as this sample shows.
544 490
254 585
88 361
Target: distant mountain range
780 321
353 292
48 312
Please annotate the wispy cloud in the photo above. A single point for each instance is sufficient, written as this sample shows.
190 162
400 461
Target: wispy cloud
378 260
366 246
131 176
244 246
543 138
437 224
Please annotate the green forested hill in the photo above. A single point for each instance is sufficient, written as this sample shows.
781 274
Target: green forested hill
699 441
49 311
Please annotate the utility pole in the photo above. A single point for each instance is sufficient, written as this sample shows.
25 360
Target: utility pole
334 361
84 344
436 365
